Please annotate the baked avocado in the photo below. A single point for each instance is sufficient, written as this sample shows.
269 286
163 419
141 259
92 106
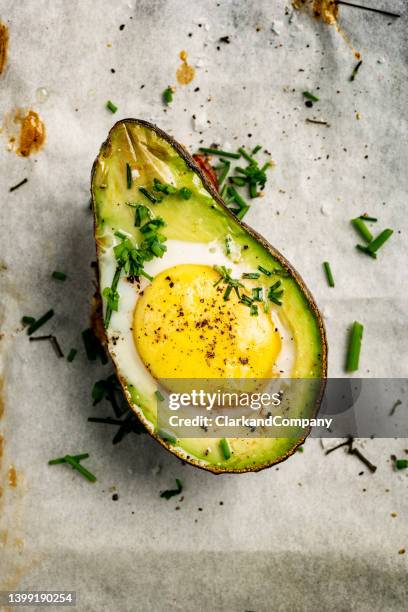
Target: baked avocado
191 292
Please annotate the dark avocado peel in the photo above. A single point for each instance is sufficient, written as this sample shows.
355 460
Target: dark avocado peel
152 154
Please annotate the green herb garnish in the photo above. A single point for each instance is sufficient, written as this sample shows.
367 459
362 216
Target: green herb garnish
80 468
310 96
172 492
129 178
71 355
329 275
362 229
225 448
245 299
60 460
401 464
257 294
275 293
185 193
253 311
168 95
228 243
148 194
256 149
59 275
353 353
165 188
225 277
225 168
368 218
251 275
27 320
111 106
167 436
159 395
40 322
243 207
379 241
364 249
142 213
211 151
93 347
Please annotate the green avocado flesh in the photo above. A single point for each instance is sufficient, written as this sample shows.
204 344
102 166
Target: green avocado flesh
151 155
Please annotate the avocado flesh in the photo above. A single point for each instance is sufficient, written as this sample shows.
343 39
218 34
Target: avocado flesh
203 218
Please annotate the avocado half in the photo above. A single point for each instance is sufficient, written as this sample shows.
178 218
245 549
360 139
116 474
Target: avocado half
204 217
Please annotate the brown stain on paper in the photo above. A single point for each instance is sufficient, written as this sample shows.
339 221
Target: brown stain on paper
12 476
185 73
4 41
25 131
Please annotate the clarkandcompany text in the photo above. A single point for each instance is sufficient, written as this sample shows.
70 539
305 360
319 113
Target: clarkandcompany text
223 420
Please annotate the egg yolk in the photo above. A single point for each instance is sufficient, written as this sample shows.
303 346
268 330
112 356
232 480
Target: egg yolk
183 328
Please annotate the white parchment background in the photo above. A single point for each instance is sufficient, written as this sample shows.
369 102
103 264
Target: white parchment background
312 533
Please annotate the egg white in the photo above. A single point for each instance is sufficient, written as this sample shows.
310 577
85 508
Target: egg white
120 335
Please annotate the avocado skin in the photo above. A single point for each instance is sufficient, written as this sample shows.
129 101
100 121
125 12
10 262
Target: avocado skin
185 155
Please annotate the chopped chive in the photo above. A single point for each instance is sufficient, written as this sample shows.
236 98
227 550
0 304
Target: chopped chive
27 320
275 300
362 229
129 178
365 250
252 275
253 192
266 307
71 355
353 354
257 294
120 235
253 311
55 345
148 195
40 322
185 193
224 172
227 293
273 287
310 96
59 275
256 149
167 436
77 466
225 448
172 492
246 156
168 95
228 242
159 395
329 275
264 271
355 70
111 106
238 200
237 180
242 212
223 191
401 464
219 152
245 299
368 218
142 213
60 460
20 184
93 347
379 241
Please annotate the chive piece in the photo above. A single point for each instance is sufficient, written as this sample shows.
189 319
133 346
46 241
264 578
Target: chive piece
129 178
264 271
355 70
168 95
185 193
224 190
71 355
166 436
60 460
329 275
368 218
242 212
27 320
246 156
310 96
257 294
77 466
365 250
256 149
252 275
111 106
225 448
253 192
242 205
401 464
237 180
353 353
253 311
172 492
142 213
59 275
245 299
266 307
112 297
20 184
379 241
228 242
93 347
227 293
40 322
219 152
159 395
120 235
148 195
224 172
362 229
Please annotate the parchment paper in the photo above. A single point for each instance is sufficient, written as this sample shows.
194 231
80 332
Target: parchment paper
311 533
